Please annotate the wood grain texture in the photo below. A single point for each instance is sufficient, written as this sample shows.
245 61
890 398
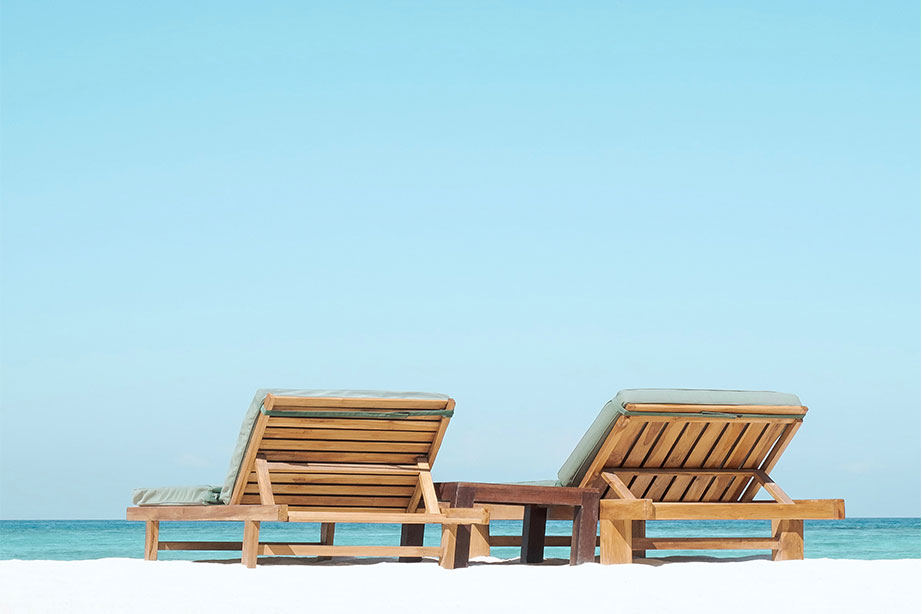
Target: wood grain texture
151 539
276 513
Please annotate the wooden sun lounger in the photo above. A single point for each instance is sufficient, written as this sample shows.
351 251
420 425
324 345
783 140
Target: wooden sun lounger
655 460
328 460
687 461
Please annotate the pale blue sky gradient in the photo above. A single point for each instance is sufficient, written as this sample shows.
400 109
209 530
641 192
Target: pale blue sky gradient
525 205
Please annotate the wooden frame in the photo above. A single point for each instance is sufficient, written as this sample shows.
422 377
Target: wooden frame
534 504
305 463
693 462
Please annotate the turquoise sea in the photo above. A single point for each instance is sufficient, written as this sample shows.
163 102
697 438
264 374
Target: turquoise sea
66 540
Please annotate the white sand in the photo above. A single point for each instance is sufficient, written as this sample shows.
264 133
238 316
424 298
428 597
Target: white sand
747 587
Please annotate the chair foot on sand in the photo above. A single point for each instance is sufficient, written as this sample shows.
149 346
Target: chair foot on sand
790 536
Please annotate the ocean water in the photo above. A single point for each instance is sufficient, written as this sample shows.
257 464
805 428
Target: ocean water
66 540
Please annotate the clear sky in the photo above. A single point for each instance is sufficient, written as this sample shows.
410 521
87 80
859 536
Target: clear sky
527 206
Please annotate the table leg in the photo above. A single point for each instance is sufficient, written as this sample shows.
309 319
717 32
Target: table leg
639 529
585 525
534 525
463 497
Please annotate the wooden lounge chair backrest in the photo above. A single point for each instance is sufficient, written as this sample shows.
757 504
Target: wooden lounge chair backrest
349 454
691 452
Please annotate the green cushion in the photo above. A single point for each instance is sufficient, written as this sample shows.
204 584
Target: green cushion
536 483
176 495
572 471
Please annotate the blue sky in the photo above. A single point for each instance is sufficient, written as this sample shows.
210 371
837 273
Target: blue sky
528 206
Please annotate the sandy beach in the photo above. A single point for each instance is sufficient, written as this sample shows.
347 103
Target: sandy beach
128 585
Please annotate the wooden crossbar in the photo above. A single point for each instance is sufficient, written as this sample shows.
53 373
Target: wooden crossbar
451 516
679 471
644 509
303 549
276 513
369 469
658 543
704 543
717 410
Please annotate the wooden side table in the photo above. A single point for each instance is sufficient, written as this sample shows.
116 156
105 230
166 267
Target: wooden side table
536 501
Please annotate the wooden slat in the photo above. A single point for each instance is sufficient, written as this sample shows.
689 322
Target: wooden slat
715 459
332 500
643 445
299 456
376 424
664 444
338 403
208 512
792 410
680 451
454 516
364 469
769 435
342 434
334 489
769 463
342 446
281 478
705 543
717 490
696 456
631 434
620 431
681 471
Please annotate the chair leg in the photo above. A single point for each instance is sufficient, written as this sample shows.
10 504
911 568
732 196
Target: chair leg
615 539
456 539
448 558
480 540
151 539
250 543
327 529
411 535
790 536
